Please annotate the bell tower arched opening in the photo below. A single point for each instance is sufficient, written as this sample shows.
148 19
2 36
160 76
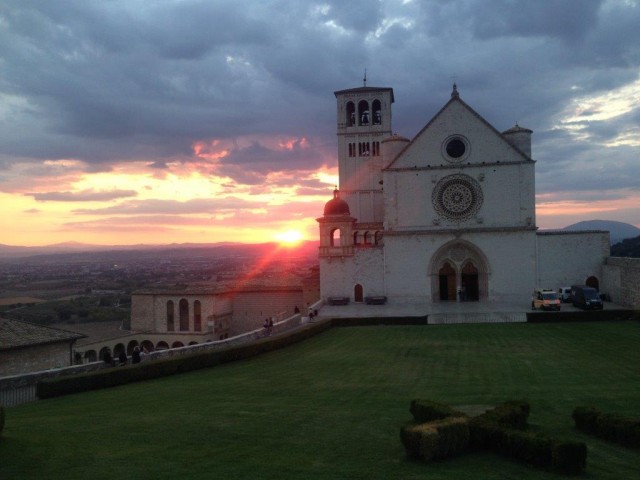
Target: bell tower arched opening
335 238
351 114
363 113
376 112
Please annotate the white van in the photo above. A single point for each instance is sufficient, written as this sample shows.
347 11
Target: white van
564 293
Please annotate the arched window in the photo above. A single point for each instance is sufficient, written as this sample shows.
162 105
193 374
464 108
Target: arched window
335 237
197 316
162 345
177 344
170 318
184 315
131 345
377 238
356 238
363 113
377 112
367 238
358 293
351 114
103 352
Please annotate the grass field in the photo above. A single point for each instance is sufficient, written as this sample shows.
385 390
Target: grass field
331 407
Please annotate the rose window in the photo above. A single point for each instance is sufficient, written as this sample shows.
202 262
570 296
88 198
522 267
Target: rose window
457 197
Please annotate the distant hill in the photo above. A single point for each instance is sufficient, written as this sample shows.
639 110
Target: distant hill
618 231
77 251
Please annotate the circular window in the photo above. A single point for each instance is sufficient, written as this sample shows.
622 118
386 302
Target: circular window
457 197
455 148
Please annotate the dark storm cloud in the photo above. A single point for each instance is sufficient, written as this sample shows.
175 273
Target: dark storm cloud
106 82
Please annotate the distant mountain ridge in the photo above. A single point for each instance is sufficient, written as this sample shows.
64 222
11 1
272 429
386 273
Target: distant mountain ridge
618 231
15 252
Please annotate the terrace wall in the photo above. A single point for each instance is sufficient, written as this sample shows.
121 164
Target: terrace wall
621 279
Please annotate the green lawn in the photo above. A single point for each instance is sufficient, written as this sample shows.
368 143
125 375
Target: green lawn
331 407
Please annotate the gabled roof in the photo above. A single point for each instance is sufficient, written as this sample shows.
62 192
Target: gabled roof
455 98
366 90
19 334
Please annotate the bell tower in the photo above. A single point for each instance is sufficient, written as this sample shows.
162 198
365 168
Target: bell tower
364 120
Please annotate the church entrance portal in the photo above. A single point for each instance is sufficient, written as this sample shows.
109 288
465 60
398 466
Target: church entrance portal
459 272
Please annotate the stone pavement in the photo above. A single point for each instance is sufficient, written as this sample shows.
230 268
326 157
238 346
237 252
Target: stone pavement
444 312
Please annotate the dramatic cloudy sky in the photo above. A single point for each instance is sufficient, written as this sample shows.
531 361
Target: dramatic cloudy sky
141 121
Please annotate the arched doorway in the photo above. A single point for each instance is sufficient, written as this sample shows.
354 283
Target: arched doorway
459 271
358 294
447 281
593 283
469 283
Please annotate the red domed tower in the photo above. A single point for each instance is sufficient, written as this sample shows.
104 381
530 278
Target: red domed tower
336 228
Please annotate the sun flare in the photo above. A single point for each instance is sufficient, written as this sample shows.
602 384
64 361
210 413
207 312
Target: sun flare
290 237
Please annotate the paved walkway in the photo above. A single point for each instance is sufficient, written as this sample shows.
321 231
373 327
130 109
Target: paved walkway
490 311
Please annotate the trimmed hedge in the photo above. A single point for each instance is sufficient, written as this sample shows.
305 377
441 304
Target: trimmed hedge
439 439
543 451
619 429
150 369
487 429
502 430
428 411
1 419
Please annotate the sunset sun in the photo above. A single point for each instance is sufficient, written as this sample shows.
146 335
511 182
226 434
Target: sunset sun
290 237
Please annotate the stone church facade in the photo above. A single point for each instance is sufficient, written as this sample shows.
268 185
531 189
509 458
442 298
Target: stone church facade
447 216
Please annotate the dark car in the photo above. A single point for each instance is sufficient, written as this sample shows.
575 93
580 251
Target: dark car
586 298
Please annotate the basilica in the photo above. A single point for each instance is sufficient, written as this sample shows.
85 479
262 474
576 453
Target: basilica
447 216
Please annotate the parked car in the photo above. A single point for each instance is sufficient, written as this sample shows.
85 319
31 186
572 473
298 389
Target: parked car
545 299
586 298
564 293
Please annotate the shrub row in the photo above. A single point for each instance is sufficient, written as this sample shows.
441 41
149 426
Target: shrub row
1 419
622 430
502 430
437 439
427 411
150 369
512 414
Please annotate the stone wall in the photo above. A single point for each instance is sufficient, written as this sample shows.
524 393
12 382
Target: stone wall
38 357
621 280
569 258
